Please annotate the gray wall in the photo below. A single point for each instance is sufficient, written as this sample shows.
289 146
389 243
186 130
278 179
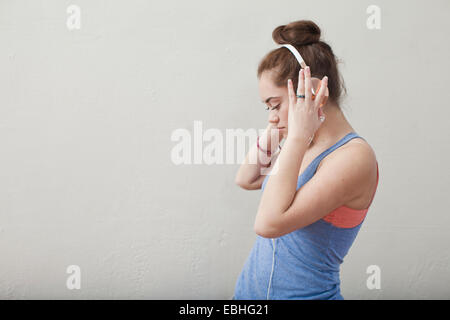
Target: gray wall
86 118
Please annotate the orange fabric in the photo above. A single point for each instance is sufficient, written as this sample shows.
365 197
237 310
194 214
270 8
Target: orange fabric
345 217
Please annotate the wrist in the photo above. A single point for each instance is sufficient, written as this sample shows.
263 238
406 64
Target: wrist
263 149
302 140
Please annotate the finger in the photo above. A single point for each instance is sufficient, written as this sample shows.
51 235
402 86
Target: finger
323 89
291 94
308 93
301 83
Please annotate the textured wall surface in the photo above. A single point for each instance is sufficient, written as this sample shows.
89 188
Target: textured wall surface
86 116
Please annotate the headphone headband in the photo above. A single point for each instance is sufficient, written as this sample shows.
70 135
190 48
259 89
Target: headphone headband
296 54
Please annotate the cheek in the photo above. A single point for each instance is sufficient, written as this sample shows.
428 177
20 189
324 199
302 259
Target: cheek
284 113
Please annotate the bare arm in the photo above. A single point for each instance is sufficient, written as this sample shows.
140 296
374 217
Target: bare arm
251 173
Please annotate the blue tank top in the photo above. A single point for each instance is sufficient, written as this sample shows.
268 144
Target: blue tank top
303 264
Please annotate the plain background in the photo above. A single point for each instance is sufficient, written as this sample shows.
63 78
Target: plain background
86 116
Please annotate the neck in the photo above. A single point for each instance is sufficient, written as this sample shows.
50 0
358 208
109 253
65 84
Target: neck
332 129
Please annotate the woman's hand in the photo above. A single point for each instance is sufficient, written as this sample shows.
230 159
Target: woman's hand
304 117
271 138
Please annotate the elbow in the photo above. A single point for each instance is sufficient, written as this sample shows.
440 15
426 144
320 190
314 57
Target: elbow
260 232
242 184
239 183
265 229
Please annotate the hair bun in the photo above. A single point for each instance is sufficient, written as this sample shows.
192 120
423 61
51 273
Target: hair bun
297 33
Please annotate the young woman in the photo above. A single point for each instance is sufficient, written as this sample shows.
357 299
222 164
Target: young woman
313 205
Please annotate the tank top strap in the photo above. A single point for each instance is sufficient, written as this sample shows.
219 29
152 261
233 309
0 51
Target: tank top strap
312 167
309 172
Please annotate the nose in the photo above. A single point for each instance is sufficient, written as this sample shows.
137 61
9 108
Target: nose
273 119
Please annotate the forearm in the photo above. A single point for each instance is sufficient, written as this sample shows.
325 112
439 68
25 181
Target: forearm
281 186
255 164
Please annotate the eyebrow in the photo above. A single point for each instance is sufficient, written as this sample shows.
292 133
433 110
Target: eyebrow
268 99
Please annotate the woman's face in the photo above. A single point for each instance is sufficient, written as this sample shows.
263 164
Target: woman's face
278 105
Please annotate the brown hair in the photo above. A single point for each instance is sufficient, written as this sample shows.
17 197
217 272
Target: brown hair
304 35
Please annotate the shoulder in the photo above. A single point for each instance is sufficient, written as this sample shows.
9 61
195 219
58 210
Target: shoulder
354 163
355 152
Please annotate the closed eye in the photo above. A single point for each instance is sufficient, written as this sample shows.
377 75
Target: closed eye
267 108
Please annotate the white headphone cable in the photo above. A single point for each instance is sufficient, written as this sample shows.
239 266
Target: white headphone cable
271 273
